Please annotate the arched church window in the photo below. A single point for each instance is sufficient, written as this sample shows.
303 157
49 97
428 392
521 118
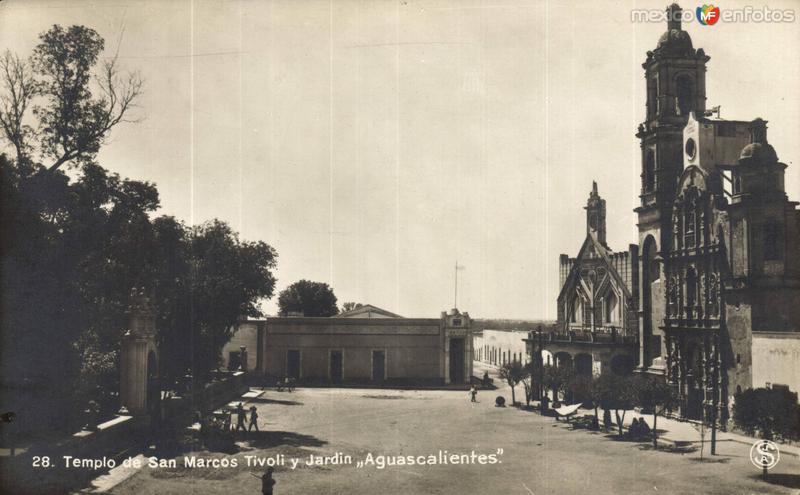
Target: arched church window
577 309
610 307
649 171
685 94
737 182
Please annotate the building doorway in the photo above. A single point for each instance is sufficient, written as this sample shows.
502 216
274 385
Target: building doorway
694 383
293 363
378 366
336 366
583 364
234 360
456 360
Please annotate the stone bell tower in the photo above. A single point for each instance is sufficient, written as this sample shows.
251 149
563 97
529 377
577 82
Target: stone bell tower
675 75
139 391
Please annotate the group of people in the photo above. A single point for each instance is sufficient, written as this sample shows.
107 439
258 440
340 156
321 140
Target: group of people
639 428
241 417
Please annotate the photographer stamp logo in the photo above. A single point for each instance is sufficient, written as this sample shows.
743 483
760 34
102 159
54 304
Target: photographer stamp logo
765 454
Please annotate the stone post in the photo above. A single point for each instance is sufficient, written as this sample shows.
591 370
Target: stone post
138 354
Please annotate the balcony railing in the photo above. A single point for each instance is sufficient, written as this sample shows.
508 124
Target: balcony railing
600 335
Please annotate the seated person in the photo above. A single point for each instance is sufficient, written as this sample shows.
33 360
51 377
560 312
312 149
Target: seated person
634 430
644 428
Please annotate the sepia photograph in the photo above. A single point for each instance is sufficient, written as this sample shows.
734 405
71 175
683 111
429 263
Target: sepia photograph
534 247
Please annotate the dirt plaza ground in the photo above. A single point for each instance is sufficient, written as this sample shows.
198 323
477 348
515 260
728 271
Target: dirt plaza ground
539 455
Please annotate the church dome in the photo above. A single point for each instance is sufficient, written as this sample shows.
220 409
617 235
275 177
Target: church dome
758 153
675 42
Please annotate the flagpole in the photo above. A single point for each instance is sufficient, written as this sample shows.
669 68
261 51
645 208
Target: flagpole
455 294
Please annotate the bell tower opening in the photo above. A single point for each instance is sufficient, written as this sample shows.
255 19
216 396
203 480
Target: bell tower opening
684 87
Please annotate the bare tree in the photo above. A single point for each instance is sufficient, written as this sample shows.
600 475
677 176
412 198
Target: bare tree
72 122
16 93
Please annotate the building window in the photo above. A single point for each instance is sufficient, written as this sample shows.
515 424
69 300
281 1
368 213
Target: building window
610 304
652 97
457 322
772 242
649 171
691 290
577 308
688 228
737 182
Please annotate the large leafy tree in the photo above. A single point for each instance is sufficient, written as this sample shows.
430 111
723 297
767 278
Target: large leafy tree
210 280
72 246
71 250
308 298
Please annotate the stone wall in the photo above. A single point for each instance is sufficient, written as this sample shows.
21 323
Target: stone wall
247 334
776 359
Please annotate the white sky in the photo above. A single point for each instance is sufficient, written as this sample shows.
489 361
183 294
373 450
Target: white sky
374 143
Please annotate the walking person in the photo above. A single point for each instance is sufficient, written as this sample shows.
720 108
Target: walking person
266 481
253 419
241 416
473 392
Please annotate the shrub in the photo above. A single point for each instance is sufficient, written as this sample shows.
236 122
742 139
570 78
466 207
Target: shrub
769 412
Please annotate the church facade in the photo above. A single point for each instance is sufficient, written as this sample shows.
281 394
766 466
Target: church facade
718 238
597 326
709 297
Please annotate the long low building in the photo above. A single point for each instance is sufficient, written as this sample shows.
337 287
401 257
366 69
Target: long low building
374 347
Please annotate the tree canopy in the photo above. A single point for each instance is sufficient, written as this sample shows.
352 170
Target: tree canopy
768 412
308 299
72 246
513 373
350 305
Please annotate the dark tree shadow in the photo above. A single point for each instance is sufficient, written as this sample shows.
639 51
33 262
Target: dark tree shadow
782 479
261 400
712 459
19 478
678 448
267 439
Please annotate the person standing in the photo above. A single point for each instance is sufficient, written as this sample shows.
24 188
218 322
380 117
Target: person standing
240 417
267 482
473 392
253 419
